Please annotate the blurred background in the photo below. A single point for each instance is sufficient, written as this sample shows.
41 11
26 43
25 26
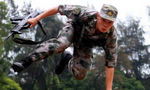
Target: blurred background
133 67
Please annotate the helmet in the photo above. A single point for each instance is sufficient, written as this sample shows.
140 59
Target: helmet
109 12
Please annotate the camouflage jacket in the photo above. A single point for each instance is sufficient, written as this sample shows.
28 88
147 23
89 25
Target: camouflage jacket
84 20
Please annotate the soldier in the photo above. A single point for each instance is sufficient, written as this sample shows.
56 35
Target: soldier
85 29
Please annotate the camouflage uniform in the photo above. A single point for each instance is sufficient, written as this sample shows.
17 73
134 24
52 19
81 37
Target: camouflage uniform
79 31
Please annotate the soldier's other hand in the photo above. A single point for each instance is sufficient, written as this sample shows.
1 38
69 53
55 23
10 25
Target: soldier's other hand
32 21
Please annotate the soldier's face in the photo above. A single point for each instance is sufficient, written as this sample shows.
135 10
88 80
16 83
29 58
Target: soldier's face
104 24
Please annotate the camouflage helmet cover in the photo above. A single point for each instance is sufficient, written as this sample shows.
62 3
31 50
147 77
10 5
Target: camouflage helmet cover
109 12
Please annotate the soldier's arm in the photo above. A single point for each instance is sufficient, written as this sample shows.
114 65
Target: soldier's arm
109 77
111 49
47 13
70 11
111 58
50 12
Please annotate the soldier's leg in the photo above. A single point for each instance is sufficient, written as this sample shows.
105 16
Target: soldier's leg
47 48
65 57
80 64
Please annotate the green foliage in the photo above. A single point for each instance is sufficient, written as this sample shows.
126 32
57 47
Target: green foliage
132 46
70 83
7 83
4 26
1 46
121 82
3 10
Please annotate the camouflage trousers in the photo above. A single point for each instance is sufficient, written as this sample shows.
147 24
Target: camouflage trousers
79 63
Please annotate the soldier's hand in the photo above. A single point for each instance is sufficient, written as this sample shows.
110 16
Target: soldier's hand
32 21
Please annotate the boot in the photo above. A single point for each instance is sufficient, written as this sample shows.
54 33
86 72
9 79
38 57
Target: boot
65 58
21 65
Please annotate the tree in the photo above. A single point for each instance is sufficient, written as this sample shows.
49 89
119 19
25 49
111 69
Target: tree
131 43
6 83
121 82
5 25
